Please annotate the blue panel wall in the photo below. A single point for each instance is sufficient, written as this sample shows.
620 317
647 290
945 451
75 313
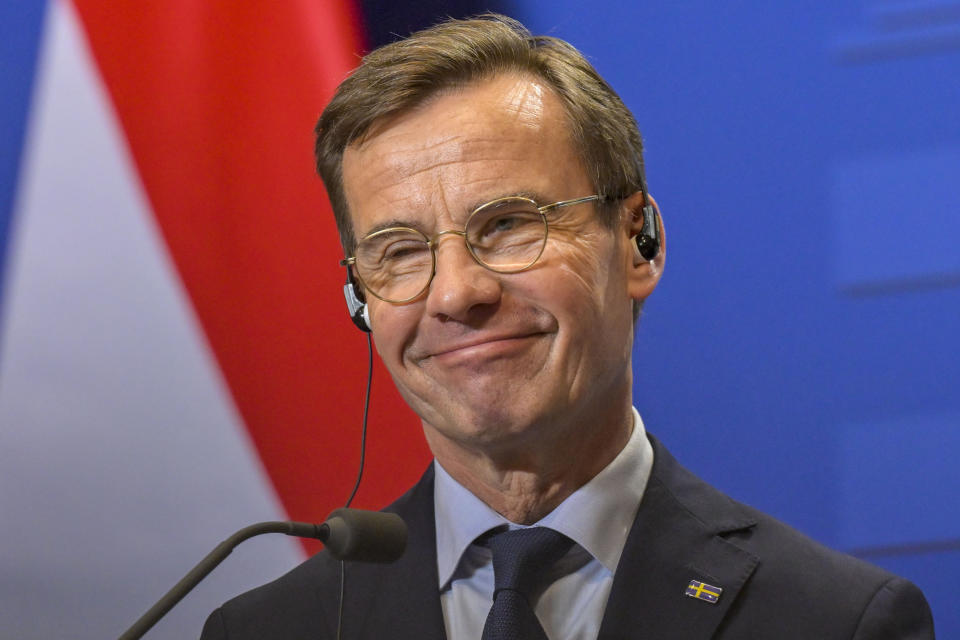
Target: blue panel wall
897 219
802 351
19 42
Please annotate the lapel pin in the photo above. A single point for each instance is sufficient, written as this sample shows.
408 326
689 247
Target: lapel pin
703 591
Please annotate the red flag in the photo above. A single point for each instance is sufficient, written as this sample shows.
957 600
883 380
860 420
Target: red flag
218 100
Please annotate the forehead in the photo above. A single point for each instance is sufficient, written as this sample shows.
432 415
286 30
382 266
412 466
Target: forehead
502 136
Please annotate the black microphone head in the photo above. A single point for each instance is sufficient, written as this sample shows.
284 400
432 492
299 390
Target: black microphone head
366 536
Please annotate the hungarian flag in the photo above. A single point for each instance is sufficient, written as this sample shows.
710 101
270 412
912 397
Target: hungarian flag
176 360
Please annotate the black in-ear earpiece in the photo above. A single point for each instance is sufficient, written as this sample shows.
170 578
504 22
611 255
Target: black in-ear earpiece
356 305
648 240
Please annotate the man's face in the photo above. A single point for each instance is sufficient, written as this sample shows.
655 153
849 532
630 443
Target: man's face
489 359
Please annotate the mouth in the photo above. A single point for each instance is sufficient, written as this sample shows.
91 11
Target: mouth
480 348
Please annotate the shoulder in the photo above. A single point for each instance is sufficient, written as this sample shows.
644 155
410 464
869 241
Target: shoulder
798 581
795 584
303 603
300 603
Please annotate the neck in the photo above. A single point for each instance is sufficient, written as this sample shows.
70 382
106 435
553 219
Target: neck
525 481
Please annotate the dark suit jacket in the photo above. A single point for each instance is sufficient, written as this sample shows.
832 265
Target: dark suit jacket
776 582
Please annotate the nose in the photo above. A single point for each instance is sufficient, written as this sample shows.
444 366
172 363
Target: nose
461 286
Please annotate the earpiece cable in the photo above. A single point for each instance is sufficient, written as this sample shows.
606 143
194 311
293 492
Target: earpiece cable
356 486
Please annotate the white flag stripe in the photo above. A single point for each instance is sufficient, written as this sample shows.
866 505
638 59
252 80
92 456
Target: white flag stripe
122 458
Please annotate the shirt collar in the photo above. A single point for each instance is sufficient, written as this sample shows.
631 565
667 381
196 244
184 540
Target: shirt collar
598 516
460 518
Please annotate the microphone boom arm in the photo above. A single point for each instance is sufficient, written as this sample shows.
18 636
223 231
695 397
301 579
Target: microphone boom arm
209 563
349 534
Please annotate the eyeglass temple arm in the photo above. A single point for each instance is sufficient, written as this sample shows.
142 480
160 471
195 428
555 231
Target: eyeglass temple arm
568 203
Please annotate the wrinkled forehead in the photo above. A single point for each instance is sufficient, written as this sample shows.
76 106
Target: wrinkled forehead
462 147
519 95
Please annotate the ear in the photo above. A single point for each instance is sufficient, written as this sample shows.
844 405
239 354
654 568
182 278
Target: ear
643 274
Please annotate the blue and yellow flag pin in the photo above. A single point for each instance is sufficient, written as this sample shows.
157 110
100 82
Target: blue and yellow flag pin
703 591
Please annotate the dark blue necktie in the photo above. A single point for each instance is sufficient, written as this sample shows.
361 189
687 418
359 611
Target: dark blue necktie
520 560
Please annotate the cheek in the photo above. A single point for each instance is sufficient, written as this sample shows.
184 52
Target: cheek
584 257
595 301
391 327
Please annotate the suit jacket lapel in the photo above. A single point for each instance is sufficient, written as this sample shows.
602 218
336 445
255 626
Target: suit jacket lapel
677 537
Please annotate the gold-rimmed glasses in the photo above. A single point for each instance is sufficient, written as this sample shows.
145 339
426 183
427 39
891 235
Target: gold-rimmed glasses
506 235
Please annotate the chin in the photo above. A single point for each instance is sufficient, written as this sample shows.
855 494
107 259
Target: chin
495 425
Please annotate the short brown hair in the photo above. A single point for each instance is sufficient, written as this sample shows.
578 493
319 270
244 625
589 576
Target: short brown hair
402 75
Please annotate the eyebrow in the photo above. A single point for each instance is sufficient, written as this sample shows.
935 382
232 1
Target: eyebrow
411 224
526 193
389 224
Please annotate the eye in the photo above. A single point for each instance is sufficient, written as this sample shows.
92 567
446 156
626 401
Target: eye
502 220
391 249
403 249
505 222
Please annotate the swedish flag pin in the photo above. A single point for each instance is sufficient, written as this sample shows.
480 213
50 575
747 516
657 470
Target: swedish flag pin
703 591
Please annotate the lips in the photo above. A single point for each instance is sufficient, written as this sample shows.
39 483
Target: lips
483 343
476 345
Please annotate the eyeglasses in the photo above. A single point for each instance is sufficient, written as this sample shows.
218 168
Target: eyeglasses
506 235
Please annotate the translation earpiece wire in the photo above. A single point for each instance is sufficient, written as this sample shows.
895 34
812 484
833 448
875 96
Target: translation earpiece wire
356 485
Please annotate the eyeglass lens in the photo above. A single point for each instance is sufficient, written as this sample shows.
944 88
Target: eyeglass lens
506 235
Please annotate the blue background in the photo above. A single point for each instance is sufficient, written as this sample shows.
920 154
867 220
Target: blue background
20 24
801 352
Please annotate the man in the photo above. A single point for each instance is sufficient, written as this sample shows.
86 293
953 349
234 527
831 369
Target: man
489 192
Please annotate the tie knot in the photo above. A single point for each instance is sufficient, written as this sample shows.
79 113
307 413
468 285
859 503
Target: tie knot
521 556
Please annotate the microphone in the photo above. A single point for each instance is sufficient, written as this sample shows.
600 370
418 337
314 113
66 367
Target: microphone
364 536
348 534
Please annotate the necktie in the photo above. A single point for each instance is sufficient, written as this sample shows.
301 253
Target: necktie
520 558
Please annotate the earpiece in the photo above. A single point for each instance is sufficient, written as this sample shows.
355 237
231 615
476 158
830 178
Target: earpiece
648 240
356 306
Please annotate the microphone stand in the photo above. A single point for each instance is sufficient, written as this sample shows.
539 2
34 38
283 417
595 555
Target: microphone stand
349 534
210 562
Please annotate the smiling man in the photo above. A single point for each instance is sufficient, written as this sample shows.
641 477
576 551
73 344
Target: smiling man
505 370
489 191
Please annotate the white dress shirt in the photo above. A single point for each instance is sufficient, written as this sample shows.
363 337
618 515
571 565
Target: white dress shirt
597 517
